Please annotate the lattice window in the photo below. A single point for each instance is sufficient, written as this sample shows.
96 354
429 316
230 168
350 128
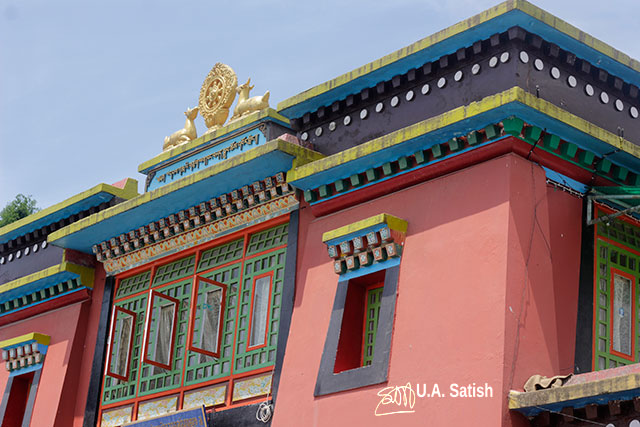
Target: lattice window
116 390
134 284
245 359
174 270
221 255
268 239
224 280
201 367
372 313
154 378
616 296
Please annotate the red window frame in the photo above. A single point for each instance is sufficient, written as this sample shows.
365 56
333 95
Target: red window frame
253 295
111 339
632 279
147 328
192 317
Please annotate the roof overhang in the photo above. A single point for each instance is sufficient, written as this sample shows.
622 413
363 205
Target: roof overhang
459 122
591 388
80 202
498 19
252 165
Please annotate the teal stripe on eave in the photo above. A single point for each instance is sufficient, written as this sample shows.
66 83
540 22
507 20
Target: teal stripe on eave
56 216
38 285
224 182
462 128
452 44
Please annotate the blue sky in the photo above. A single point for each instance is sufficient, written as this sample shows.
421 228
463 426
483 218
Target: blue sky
88 90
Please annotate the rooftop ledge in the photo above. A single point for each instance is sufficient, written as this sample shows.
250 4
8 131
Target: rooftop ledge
460 121
94 196
233 126
254 164
598 387
482 26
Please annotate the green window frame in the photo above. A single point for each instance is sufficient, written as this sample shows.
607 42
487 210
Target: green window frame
616 294
370 327
233 267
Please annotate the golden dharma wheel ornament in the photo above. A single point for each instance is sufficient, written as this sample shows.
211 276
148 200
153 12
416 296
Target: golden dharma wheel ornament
216 95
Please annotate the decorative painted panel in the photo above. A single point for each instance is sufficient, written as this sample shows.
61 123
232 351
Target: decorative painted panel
209 396
116 417
157 407
252 387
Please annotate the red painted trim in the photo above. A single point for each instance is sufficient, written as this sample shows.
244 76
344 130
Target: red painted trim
615 271
147 328
223 307
433 170
52 304
253 298
114 318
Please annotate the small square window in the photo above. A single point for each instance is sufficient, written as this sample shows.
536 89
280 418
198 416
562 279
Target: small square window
162 316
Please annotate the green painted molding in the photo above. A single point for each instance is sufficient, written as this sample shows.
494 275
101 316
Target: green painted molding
33 336
129 191
391 221
521 400
224 130
460 27
515 94
86 276
301 156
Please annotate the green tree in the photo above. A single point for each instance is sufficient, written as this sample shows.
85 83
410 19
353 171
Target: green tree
18 208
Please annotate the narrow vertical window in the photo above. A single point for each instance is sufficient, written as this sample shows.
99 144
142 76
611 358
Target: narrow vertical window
622 314
208 316
372 313
259 311
121 343
161 322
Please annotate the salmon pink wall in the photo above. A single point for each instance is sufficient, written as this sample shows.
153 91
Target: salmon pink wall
63 387
476 272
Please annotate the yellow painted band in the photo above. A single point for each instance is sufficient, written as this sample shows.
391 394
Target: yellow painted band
86 276
391 221
566 393
224 130
33 336
458 28
515 94
301 156
129 191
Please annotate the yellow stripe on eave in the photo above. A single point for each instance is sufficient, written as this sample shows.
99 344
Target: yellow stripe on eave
577 34
86 276
518 400
392 222
301 156
130 190
458 28
515 94
399 54
33 336
226 129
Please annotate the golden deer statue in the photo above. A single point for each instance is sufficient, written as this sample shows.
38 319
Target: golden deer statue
248 105
186 134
